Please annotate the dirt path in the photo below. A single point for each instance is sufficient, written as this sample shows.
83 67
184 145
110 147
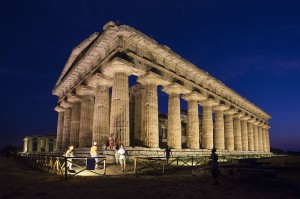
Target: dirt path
20 181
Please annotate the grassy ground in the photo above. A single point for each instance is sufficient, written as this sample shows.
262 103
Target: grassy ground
19 181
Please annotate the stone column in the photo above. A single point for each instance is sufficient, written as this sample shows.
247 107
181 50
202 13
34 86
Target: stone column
207 123
101 83
260 139
60 125
250 135
264 138
244 129
139 134
67 124
86 115
219 136
237 132
150 107
229 138
25 145
75 119
119 118
174 120
255 136
193 136
268 139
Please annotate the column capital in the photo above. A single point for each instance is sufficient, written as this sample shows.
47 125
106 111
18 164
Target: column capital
64 103
252 120
118 65
100 79
208 102
245 118
220 107
59 109
229 112
194 95
152 78
73 98
238 115
85 90
175 88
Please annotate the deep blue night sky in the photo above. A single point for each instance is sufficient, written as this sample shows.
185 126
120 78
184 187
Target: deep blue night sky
251 46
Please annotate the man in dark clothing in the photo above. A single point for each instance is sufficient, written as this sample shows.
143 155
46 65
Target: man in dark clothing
168 152
214 166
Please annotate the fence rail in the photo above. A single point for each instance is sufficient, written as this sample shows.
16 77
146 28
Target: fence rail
65 166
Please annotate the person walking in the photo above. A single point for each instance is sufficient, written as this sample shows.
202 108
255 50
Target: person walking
94 153
117 154
214 166
122 157
69 153
168 153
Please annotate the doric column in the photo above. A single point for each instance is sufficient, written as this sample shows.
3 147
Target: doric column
250 135
244 128
207 123
255 136
101 83
86 115
219 136
229 138
150 107
264 138
193 136
237 131
75 119
260 137
60 125
139 134
67 124
174 120
119 118
268 138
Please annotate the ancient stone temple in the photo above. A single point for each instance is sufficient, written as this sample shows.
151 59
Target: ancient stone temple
39 143
95 99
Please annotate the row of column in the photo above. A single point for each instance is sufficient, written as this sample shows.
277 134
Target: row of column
86 118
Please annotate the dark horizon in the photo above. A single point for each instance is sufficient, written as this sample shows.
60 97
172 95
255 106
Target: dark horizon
252 47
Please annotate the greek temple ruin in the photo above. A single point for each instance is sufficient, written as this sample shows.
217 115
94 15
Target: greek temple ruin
95 100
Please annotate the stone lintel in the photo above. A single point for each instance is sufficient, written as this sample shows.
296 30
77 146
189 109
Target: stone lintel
118 65
175 88
85 90
152 78
229 112
64 103
73 98
100 79
220 107
194 95
59 109
208 102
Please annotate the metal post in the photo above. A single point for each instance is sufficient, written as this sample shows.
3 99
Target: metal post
104 165
135 166
66 168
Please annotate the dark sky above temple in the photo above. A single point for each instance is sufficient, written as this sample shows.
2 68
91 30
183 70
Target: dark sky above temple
253 47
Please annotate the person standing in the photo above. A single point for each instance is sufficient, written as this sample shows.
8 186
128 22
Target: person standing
214 166
110 142
116 154
94 153
69 153
168 153
122 157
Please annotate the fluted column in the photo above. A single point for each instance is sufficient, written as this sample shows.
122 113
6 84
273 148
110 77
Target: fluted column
229 138
244 129
237 132
250 135
193 136
264 138
255 136
139 134
67 124
119 70
174 120
60 125
219 135
75 119
268 138
150 108
101 84
260 137
207 123
86 115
